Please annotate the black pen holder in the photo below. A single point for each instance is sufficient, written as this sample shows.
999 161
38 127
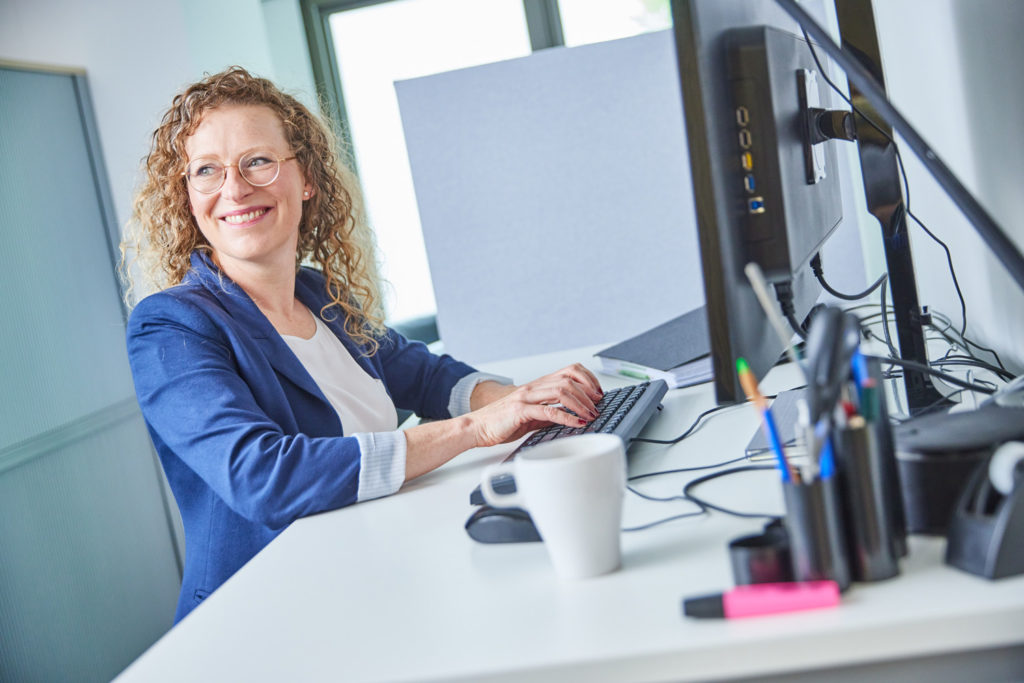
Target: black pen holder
762 558
817 543
892 487
868 508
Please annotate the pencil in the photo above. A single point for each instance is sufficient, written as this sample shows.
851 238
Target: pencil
749 384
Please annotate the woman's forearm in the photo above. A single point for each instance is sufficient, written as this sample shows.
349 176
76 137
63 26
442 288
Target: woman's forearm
430 445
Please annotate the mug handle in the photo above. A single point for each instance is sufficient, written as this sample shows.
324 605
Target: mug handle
493 498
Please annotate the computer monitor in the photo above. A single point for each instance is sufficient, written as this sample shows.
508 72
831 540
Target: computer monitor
763 192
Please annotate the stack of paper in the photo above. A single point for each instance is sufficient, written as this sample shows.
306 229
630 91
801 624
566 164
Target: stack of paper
678 352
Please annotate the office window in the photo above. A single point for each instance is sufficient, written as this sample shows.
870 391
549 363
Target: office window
593 21
375 46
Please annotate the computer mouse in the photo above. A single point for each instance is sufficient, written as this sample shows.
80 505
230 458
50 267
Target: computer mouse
501 525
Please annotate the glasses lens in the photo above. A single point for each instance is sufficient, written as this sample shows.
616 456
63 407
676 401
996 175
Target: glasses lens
205 175
259 168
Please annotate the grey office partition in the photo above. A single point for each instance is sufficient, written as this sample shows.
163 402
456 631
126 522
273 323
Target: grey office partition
553 191
89 572
555 197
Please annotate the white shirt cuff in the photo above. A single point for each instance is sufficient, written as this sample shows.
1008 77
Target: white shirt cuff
458 404
381 464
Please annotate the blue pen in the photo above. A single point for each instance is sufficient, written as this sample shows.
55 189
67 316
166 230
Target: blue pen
859 367
749 385
776 443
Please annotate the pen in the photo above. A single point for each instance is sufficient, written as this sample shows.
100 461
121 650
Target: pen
754 394
869 399
763 598
827 460
859 367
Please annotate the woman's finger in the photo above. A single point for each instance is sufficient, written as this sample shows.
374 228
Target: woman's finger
585 378
564 390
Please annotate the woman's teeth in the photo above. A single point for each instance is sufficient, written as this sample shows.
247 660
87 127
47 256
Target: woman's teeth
238 218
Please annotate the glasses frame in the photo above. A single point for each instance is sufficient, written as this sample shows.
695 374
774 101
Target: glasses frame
224 174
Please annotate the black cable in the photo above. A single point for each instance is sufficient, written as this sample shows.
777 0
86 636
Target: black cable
939 405
820 275
685 469
885 324
970 361
702 511
858 307
690 430
795 325
952 271
966 342
784 294
984 383
935 406
944 332
673 518
656 499
903 173
935 373
688 490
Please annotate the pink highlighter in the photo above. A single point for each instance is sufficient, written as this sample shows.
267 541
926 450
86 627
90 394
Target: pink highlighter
763 598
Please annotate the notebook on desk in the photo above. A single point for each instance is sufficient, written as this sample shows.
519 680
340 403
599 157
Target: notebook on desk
677 351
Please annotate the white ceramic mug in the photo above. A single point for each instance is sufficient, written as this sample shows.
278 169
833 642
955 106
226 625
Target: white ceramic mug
573 489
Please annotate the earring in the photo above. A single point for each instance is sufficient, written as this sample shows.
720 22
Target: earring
305 195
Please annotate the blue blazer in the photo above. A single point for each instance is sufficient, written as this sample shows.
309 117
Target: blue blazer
247 440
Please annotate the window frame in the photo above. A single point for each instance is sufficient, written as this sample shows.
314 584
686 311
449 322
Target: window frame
543 24
542 20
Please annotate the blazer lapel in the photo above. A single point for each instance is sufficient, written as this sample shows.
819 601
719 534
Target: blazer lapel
240 307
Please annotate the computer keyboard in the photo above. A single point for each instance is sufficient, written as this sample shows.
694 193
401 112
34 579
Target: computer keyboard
622 412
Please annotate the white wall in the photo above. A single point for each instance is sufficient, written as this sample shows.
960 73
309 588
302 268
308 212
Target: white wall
952 68
139 54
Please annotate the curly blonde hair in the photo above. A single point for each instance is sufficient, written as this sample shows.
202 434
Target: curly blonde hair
333 234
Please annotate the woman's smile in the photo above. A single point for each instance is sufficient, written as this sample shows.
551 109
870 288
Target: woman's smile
245 217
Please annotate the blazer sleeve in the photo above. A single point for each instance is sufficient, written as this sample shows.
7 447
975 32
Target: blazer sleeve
417 379
200 409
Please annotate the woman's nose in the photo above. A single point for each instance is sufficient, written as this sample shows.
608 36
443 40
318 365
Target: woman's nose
235 186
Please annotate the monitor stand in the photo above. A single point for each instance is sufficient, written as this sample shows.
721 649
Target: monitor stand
881 177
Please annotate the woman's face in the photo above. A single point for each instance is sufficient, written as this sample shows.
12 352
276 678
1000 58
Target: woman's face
247 225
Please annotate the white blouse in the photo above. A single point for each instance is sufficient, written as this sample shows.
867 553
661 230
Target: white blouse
361 401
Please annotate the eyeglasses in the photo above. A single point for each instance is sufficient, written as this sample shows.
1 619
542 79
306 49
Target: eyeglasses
259 168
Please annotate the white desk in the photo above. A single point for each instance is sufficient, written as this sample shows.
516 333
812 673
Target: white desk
394 590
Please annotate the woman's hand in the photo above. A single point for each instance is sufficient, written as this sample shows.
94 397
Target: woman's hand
511 412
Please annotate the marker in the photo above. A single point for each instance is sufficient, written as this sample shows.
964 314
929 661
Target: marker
749 385
633 374
763 598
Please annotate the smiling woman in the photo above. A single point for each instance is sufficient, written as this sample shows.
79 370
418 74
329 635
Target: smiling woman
270 388
169 224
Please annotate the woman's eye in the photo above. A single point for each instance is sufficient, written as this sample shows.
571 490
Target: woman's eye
205 170
256 162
